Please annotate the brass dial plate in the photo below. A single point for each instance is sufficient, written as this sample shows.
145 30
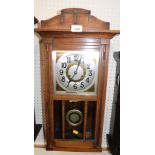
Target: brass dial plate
75 72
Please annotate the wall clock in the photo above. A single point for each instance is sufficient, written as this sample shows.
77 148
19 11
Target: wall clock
74 50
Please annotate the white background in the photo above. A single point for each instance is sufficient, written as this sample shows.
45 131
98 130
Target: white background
137 77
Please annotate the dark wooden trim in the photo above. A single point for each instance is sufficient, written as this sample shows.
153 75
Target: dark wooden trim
98 96
105 60
44 88
75 149
88 98
105 34
85 120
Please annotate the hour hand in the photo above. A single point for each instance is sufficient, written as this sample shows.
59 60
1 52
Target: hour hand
68 83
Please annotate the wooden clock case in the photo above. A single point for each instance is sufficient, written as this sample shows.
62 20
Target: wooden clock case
55 34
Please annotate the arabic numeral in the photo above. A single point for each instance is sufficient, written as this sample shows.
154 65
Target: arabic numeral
68 59
90 72
67 84
63 79
76 57
63 65
82 85
61 72
87 80
88 66
75 86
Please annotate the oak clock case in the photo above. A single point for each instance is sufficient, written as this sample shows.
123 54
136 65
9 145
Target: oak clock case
74 67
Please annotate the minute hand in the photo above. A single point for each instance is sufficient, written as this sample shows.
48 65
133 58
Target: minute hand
77 66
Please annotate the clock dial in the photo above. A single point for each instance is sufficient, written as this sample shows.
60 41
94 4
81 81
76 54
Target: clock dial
76 71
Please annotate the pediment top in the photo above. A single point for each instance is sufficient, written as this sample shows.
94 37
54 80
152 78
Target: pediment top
73 16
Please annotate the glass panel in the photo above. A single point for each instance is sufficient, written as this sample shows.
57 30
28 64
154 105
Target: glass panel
57 119
91 120
73 118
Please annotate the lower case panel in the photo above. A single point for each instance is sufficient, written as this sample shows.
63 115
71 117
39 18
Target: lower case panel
74 126
74 144
78 146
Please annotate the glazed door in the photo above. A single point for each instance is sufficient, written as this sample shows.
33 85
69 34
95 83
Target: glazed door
76 117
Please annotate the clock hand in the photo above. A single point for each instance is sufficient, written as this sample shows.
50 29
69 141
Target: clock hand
74 72
78 66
